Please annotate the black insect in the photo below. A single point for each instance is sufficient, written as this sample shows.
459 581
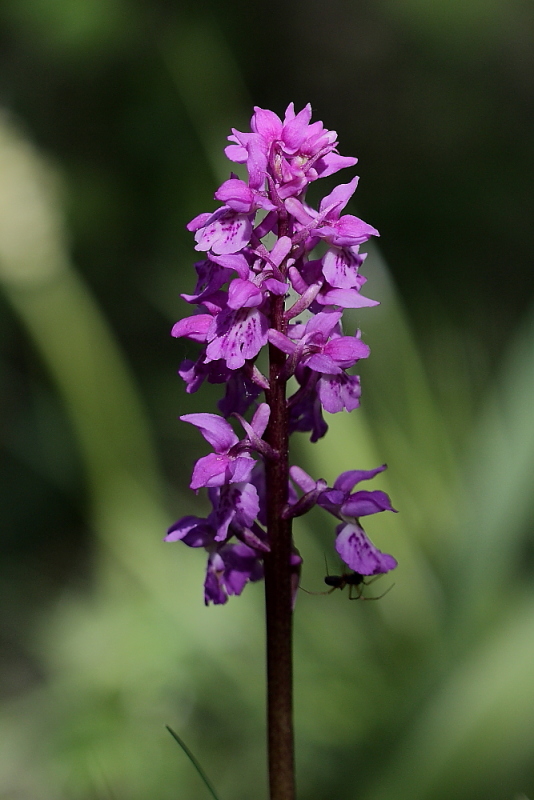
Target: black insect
356 583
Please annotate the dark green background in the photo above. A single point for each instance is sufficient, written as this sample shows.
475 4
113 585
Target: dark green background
124 107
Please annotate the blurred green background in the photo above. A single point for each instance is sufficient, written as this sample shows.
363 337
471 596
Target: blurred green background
113 116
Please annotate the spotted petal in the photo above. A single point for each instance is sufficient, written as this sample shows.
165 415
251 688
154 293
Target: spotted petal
359 553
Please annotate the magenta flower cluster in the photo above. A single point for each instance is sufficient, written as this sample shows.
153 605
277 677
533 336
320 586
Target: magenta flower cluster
265 242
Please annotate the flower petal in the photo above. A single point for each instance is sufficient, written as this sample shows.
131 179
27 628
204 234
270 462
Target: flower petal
210 470
361 504
195 327
346 350
359 553
243 294
236 336
216 430
229 233
348 480
236 194
193 531
339 392
340 196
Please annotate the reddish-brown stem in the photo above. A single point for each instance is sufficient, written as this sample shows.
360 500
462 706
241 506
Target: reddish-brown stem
278 601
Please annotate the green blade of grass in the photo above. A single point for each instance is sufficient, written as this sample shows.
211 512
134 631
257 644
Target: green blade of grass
194 762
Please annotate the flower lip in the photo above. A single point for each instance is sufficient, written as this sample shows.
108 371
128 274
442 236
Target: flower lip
359 553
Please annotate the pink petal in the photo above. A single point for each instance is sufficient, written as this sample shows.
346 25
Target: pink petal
228 234
361 504
243 294
198 222
235 261
346 298
281 250
340 268
216 430
350 231
211 470
281 341
241 468
275 287
340 196
346 350
348 480
297 210
237 336
339 392
266 123
236 194
332 162
194 328
359 553
260 419
236 153
302 479
256 161
294 132
320 362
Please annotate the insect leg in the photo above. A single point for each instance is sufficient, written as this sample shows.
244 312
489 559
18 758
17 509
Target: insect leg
378 597
308 591
359 590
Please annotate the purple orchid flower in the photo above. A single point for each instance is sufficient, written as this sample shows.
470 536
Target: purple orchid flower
224 231
268 258
230 565
352 543
345 231
320 347
309 279
231 462
229 570
319 344
237 335
305 409
293 151
259 248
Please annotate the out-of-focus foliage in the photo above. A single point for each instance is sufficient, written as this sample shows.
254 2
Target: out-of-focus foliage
424 695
